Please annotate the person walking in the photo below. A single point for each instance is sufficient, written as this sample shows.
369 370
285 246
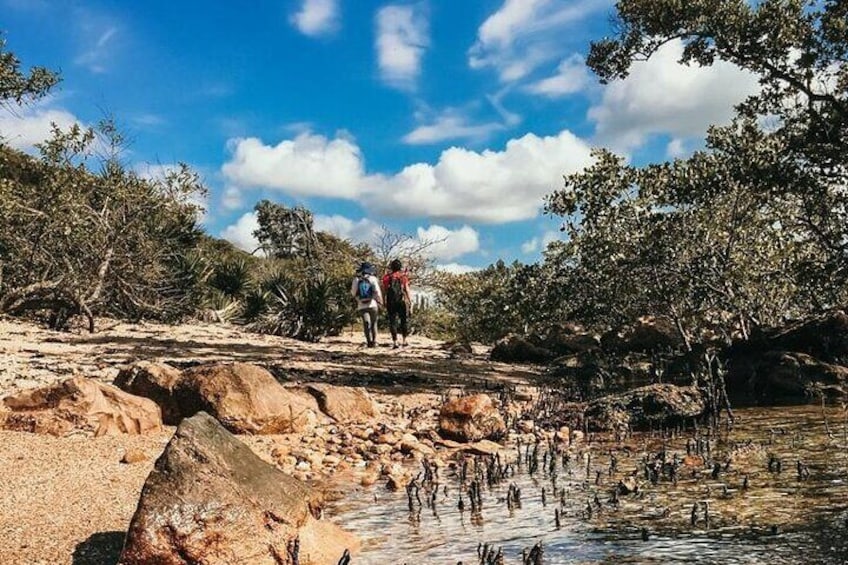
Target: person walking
398 301
365 288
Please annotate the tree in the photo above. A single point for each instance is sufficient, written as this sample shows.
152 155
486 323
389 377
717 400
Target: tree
79 241
18 88
799 50
283 232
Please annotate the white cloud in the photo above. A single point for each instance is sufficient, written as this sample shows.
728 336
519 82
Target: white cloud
316 17
240 233
445 244
572 76
463 185
663 96
486 186
357 231
308 165
232 198
99 48
539 243
450 125
530 246
524 34
675 148
24 128
402 38
456 268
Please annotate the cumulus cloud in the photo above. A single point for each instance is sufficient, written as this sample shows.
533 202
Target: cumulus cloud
445 244
450 125
539 243
402 39
308 165
572 76
24 128
363 230
663 96
240 233
486 186
316 17
463 185
524 34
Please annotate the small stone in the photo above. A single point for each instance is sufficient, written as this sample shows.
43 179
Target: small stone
133 456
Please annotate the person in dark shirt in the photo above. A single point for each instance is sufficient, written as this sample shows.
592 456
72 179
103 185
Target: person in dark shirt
398 301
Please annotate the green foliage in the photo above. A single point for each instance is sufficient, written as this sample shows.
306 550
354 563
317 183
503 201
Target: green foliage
17 87
85 236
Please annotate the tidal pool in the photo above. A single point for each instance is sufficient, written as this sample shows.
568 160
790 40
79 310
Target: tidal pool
782 499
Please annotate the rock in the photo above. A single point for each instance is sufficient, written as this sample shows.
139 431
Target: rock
344 404
133 456
458 348
824 337
628 485
645 407
648 334
567 341
526 426
155 381
515 349
211 500
782 374
245 399
483 447
471 418
80 404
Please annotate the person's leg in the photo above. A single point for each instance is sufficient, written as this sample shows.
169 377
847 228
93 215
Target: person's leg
393 319
372 312
366 324
404 322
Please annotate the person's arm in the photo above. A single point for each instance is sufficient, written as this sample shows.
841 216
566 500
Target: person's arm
353 288
407 293
378 290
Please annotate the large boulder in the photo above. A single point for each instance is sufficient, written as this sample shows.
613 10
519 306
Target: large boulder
211 500
155 381
646 407
570 339
824 337
782 374
344 404
516 349
648 334
471 418
244 398
80 404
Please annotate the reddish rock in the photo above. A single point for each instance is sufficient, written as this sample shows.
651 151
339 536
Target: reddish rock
471 418
133 456
344 404
155 381
245 399
211 500
80 404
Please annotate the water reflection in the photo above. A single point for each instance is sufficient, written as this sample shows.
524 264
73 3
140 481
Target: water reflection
778 501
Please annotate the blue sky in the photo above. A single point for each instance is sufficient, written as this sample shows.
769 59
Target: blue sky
446 120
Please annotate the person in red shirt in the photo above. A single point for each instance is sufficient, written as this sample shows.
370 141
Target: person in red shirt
398 301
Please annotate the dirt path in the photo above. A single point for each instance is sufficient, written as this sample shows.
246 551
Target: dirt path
70 499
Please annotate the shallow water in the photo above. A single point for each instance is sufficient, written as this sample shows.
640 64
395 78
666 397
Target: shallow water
780 518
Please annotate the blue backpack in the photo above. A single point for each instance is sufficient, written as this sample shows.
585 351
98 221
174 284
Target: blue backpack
365 289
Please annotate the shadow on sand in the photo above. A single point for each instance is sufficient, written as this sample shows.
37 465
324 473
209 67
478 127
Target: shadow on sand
102 548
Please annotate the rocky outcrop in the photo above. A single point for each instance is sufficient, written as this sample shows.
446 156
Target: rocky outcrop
344 404
824 337
782 374
515 349
155 381
471 418
648 334
211 500
646 407
569 339
80 404
244 398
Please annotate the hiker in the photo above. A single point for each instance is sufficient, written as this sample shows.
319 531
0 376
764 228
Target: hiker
366 289
398 301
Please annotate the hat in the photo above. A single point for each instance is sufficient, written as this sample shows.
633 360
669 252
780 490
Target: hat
366 268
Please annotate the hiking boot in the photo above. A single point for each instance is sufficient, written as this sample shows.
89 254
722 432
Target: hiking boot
395 345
